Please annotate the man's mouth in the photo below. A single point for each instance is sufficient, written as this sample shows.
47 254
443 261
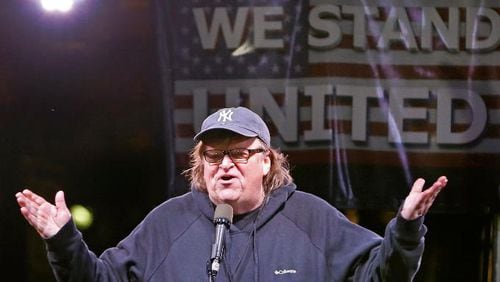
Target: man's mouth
226 178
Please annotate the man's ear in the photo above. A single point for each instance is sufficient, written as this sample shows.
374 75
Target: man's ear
266 166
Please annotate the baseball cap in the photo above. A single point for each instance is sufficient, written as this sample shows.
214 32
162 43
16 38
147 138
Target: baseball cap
239 120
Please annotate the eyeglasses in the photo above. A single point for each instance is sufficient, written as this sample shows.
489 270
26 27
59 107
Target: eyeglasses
237 155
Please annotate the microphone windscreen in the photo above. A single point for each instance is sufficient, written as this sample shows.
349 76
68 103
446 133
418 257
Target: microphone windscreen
224 211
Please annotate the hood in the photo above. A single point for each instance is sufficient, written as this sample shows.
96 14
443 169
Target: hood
272 203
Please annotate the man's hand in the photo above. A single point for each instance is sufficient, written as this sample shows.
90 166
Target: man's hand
418 202
47 219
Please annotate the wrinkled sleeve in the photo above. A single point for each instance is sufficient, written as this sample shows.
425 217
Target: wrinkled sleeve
355 253
71 260
397 257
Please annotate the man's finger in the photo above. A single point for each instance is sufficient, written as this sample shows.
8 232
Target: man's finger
418 185
437 186
34 197
27 206
26 214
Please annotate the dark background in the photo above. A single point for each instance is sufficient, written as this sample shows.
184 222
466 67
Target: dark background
81 110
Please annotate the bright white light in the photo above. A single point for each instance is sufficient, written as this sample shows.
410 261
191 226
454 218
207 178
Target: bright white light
57 5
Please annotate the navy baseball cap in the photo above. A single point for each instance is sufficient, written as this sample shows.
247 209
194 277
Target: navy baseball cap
239 120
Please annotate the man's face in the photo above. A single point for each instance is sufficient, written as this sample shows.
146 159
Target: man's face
235 183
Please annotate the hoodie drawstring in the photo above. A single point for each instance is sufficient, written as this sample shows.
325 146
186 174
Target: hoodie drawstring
255 255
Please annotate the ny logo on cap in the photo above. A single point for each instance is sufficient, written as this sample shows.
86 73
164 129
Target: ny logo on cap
225 115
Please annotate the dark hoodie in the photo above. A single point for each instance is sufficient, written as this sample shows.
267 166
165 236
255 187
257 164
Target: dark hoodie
295 237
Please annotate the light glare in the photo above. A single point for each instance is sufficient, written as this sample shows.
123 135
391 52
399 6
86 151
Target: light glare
82 216
57 5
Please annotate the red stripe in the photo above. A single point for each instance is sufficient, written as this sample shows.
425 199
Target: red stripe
217 100
405 72
325 156
372 41
373 128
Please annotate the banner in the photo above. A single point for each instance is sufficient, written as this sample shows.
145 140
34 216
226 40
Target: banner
364 97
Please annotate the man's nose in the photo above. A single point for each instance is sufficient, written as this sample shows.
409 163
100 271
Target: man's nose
227 162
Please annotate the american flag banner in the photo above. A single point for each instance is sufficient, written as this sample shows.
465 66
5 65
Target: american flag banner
364 97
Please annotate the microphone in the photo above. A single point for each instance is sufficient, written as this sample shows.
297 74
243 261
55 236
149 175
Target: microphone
223 217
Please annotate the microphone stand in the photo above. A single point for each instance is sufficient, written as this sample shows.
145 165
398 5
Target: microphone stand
213 264
212 269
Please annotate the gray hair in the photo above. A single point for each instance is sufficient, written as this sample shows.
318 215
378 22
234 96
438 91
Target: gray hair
278 175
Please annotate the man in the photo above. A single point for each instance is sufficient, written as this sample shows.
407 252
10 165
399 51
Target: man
278 234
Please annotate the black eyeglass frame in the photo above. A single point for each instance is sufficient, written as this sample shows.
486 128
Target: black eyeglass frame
250 153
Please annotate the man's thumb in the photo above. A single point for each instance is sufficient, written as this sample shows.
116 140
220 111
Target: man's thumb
60 201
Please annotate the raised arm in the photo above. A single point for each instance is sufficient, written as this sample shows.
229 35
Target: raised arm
399 255
46 218
67 253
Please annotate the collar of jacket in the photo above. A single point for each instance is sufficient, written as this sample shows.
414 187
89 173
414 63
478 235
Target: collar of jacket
272 203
